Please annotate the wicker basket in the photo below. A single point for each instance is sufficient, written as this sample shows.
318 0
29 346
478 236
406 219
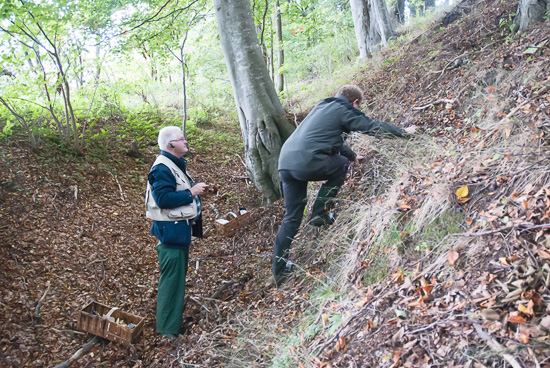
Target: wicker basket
94 319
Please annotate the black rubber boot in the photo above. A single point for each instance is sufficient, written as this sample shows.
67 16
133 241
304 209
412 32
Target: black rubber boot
283 274
322 205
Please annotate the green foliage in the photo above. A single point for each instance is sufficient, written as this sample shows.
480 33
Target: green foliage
508 26
318 38
433 233
376 271
391 60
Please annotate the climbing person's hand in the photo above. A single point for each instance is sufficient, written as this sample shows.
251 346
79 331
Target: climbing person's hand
411 129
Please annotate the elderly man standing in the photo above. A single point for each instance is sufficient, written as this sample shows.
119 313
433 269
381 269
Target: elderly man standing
316 152
172 201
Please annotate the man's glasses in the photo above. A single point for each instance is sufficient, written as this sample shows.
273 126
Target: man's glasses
178 140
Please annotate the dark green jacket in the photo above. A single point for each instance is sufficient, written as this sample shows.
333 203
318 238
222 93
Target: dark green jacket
321 134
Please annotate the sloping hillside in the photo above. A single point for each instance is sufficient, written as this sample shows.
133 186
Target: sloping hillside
440 253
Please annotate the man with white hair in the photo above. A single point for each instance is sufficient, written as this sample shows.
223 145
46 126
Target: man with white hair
172 201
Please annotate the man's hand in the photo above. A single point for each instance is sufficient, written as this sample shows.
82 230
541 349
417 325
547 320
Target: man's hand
198 189
411 129
358 159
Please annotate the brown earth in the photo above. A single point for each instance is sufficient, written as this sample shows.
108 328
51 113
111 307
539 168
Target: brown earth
74 230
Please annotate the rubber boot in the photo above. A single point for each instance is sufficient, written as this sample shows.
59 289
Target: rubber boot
322 205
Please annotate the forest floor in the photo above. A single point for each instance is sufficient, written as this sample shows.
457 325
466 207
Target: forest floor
440 255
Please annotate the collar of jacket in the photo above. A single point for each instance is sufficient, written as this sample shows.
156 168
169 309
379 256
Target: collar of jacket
181 162
343 98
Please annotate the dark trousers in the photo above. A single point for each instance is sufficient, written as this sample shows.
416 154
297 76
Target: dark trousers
294 186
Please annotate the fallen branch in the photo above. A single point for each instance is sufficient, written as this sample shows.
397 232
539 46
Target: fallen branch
196 300
427 327
446 100
441 100
513 112
524 227
493 344
68 331
85 349
60 331
488 232
39 304
225 285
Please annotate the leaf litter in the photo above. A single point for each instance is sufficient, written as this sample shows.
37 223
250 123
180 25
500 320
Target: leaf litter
470 295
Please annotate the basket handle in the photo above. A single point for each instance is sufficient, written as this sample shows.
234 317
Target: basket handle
110 312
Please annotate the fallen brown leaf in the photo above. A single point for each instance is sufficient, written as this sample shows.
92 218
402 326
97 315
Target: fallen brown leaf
543 254
516 319
340 344
453 257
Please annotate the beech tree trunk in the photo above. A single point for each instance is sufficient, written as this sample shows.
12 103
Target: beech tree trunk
373 27
531 11
261 115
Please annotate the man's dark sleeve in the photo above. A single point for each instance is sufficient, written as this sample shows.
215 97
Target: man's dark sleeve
356 121
347 152
164 188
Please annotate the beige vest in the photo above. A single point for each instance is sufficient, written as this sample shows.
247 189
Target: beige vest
186 212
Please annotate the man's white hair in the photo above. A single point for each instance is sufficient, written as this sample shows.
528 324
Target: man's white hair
168 134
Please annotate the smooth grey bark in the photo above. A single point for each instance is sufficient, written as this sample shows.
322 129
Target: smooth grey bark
261 115
373 27
280 78
531 11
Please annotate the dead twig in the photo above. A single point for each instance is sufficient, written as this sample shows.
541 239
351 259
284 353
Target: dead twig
493 344
427 327
60 331
68 331
444 100
39 304
196 300
524 226
489 232
431 104
225 285
85 349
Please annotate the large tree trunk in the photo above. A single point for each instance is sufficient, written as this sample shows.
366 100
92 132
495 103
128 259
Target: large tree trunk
373 27
531 11
429 4
280 78
261 115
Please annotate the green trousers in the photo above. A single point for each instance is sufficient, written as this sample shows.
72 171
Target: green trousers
171 292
